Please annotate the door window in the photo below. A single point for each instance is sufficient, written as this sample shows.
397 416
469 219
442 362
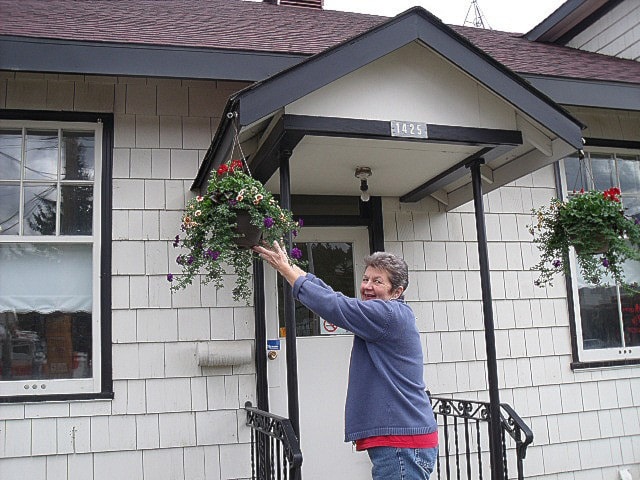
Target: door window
335 256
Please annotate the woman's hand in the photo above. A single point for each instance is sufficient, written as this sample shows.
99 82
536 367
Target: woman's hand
277 257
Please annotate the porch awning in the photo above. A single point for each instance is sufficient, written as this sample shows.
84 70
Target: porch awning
412 100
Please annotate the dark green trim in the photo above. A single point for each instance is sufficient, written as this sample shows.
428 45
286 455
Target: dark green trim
605 364
98 58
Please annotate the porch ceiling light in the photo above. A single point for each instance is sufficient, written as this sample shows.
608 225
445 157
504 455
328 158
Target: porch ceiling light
363 173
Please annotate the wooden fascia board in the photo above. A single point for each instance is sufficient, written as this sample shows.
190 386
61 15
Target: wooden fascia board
381 130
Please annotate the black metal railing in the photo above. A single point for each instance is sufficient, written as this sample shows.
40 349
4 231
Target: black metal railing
464 442
464 439
275 450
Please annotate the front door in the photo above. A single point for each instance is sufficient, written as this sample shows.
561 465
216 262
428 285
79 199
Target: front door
335 255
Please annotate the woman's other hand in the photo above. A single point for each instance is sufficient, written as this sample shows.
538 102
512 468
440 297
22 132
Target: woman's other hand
277 257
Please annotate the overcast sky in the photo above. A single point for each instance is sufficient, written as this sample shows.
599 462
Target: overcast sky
506 15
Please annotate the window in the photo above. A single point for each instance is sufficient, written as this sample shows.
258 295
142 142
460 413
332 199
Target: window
333 263
50 258
334 254
607 316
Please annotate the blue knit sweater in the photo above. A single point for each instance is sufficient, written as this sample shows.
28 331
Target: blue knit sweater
386 392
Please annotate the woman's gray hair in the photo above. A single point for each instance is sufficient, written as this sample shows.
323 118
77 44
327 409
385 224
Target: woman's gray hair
395 266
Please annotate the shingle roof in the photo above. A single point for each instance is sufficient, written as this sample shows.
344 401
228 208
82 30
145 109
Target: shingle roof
257 26
524 56
224 24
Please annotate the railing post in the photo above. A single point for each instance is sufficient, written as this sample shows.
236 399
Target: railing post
495 442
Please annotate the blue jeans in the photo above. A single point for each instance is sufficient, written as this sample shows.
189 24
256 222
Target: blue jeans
391 463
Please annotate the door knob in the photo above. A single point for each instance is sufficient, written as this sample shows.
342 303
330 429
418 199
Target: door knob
272 355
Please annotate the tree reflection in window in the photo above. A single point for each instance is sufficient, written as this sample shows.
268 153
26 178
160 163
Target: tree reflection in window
56 177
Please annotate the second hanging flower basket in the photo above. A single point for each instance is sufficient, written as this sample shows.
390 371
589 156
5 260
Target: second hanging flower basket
594 223
219 228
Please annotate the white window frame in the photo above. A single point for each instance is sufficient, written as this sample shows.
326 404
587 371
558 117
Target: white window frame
93 384
600 354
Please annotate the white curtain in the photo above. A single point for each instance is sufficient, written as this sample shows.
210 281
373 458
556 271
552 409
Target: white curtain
45 278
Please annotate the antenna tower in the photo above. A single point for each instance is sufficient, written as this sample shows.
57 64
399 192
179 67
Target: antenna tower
478 20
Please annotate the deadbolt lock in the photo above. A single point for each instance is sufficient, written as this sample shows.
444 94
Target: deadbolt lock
272 355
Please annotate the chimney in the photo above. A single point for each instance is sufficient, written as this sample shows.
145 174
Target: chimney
317 4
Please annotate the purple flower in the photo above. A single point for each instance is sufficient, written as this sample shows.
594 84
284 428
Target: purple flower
212 254
605 262
233 202
170 277
189 259
295 233
556 263
268 222
296 253
300 222
179 259
176 242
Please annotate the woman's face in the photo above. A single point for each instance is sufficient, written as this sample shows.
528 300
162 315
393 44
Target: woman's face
376 285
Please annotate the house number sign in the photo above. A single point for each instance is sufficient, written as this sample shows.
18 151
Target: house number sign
401 128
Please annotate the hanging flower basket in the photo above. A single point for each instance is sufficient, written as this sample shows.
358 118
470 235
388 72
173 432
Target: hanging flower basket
594 223
600 246
247 234
219 228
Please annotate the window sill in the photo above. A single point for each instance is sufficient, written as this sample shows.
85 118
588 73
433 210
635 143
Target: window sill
63 397
604 364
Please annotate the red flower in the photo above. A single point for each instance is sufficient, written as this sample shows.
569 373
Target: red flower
236 164
223 169
612 194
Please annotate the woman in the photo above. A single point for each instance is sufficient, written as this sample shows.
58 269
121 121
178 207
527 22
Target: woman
387 411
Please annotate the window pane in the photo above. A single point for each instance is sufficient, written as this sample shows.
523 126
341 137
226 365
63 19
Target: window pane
600 317
631 318
77 156
45 311
10 154
40 210
42 155
76 210
45 346
604 173
632 206
45 278
9 205
629 174
576 174
333 263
